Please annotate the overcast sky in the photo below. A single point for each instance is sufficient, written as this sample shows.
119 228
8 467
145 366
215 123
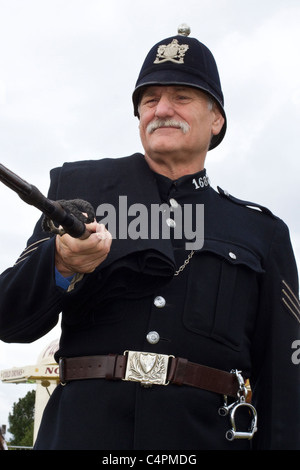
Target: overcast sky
67 72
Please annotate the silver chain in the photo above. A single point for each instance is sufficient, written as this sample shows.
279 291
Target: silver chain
186 262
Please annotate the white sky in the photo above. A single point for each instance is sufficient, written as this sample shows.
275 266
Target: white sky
67 72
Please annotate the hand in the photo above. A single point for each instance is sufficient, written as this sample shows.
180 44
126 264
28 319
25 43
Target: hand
74 255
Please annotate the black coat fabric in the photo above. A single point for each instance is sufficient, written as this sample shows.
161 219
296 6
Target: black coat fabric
234 306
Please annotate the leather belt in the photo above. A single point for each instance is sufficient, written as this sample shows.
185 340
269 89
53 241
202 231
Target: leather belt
149 369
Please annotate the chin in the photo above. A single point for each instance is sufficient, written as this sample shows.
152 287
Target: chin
164 151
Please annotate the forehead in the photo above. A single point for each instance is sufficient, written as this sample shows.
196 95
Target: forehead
158 89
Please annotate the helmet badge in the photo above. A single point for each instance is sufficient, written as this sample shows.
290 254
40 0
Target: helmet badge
173 52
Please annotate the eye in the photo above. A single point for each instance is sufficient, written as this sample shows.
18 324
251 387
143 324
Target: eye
183 98
149 101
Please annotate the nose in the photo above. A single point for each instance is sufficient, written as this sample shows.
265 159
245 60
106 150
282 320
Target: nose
164 107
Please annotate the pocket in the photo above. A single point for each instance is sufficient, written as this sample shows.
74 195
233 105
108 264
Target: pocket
222 291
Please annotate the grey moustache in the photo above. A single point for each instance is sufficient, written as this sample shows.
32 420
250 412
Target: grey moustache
167 123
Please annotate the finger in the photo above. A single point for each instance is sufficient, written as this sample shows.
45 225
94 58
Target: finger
96 246
102 232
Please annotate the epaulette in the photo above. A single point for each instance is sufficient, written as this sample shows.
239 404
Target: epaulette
240 202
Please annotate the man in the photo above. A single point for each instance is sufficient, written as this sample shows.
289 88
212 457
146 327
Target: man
141 310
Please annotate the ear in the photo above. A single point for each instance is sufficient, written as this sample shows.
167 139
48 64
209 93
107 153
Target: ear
218 121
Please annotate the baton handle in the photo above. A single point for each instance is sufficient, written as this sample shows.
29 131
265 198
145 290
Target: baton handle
52 209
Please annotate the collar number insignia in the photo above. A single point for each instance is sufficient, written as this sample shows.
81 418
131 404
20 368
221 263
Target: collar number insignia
173 52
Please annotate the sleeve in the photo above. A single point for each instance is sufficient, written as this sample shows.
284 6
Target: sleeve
276 373
61 281
30 300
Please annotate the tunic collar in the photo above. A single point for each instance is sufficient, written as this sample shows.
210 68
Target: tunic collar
186 184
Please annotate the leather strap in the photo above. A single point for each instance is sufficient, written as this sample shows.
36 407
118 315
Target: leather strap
206 378
180 372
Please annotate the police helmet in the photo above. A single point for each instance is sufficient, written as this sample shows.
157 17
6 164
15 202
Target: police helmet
181 60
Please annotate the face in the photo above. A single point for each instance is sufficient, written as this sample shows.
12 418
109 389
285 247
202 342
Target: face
177 123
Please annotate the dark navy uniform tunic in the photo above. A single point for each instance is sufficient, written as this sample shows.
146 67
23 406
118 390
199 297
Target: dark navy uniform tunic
233 306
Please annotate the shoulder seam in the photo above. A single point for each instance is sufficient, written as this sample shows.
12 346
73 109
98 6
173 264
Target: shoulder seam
248 204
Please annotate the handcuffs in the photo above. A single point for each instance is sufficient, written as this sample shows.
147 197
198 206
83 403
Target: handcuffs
234 407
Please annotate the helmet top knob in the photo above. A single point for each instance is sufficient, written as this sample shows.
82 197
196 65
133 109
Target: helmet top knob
184 30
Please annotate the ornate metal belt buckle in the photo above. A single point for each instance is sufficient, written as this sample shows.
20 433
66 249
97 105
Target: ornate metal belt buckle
146 368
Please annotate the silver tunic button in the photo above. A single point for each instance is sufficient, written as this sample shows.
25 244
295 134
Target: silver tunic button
173 203
153 337
171 223
232 255
159 301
